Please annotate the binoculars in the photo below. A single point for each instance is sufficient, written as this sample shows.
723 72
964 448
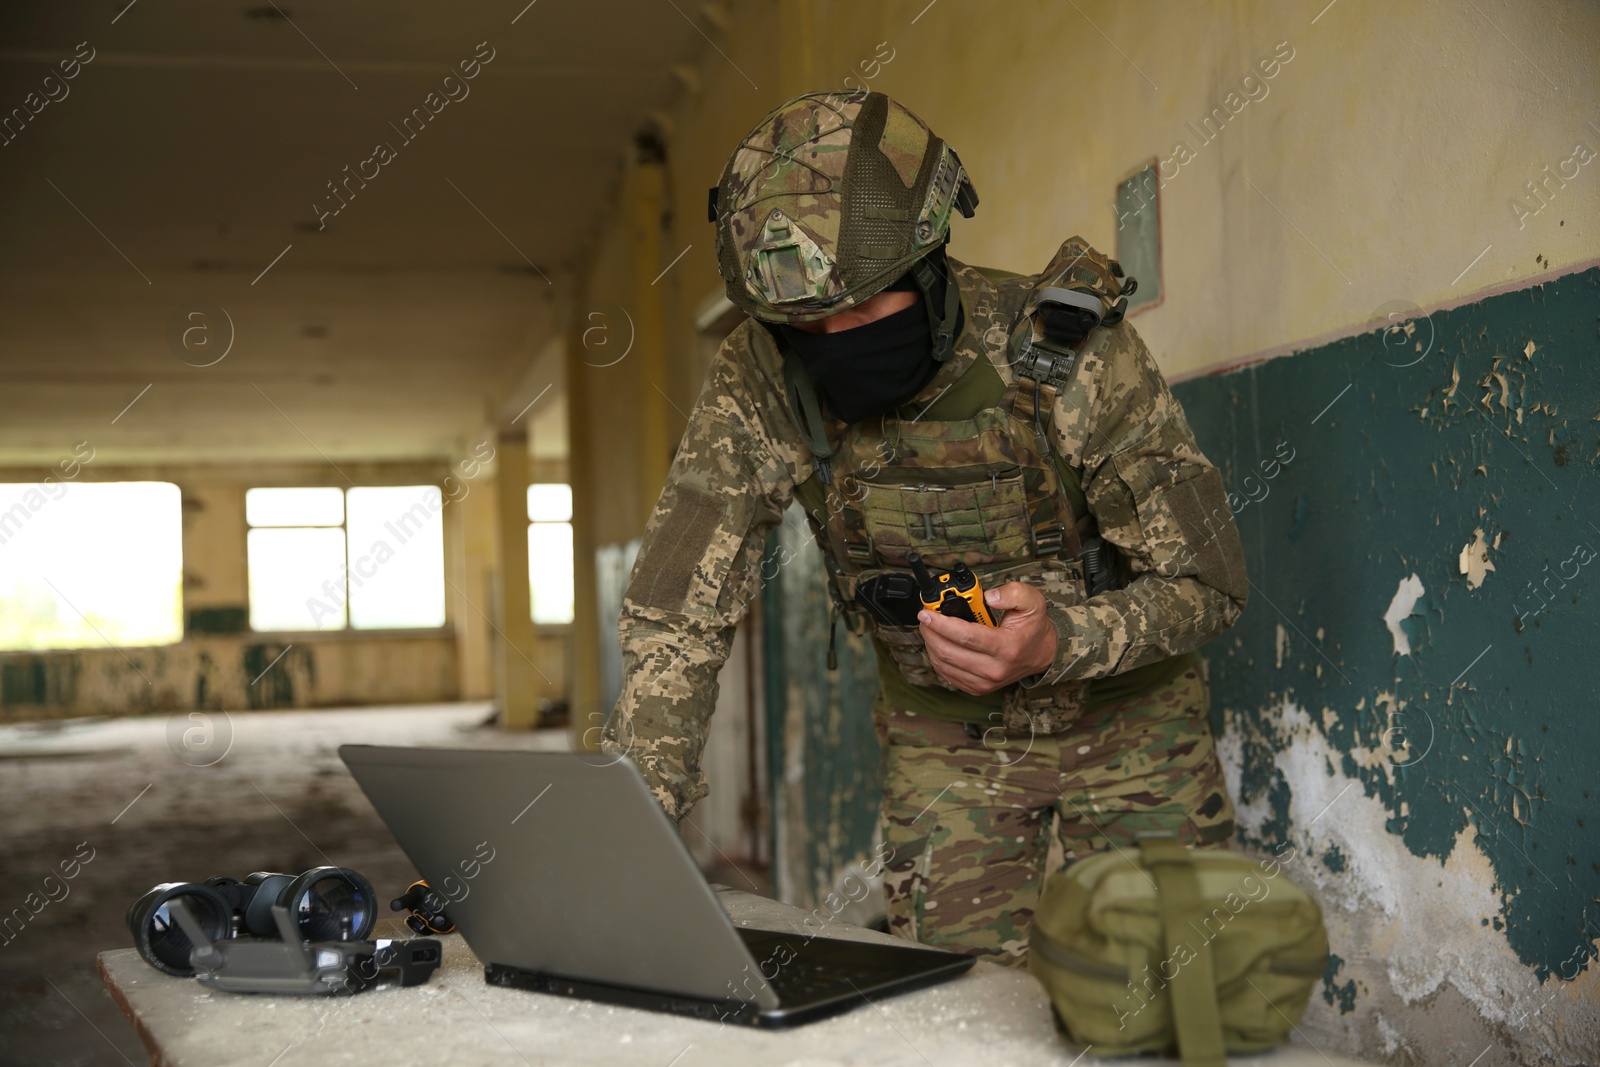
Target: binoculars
324 904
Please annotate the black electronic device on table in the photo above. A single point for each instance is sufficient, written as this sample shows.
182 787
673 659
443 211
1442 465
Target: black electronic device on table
289 965
588 891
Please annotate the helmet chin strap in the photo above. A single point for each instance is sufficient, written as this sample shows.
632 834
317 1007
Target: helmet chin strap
943 327
801 391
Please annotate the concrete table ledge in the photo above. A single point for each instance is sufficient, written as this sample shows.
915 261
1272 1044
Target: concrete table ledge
992 1015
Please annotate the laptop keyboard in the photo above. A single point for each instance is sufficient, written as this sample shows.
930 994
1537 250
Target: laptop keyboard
809 969
803 979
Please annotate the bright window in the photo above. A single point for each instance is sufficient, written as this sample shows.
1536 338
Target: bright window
550 552
91 564
397 556
367 558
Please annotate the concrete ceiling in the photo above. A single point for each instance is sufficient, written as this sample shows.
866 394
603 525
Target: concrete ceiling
186 158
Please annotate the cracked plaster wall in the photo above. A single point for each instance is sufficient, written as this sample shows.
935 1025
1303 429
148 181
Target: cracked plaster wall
1407 699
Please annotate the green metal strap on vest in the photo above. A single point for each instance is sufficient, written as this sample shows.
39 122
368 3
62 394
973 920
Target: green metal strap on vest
1193 989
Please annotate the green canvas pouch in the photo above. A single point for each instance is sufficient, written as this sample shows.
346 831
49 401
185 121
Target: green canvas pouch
1167 948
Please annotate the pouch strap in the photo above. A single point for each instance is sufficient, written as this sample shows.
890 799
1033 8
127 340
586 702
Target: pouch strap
1193 990
1035 402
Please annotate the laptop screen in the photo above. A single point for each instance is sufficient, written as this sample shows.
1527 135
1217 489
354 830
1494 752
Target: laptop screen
558 863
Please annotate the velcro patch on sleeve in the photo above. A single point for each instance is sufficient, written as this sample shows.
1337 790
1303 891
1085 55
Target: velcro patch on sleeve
668 570
1200 507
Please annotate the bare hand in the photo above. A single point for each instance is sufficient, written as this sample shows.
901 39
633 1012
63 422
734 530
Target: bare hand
979 659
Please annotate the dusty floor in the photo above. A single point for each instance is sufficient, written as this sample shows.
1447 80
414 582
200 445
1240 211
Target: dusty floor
135 795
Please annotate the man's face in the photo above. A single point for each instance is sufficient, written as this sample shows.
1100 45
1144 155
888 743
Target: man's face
872 309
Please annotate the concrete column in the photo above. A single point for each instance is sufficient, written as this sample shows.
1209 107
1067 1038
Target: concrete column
584 670
515 676
471 542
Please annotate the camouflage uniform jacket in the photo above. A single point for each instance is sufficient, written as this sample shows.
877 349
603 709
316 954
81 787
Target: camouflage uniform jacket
1146 483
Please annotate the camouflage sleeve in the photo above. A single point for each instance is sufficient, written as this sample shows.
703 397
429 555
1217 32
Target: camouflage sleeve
696 572
1161 502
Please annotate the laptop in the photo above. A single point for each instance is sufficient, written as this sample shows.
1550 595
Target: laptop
564 876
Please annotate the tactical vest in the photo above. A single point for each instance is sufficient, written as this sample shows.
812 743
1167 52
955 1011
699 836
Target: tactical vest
972 477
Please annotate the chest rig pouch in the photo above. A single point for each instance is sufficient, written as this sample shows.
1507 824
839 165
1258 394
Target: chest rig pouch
985 489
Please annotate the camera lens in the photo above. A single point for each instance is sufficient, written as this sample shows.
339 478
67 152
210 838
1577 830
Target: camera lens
158 937
331 904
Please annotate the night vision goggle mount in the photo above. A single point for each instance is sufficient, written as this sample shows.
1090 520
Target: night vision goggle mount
1065 316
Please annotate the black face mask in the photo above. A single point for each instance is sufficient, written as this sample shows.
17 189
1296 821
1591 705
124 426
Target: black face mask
870 369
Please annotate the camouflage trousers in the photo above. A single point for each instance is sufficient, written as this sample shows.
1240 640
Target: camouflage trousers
968 815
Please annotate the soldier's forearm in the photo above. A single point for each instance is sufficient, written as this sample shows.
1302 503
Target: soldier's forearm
1152 619
669 692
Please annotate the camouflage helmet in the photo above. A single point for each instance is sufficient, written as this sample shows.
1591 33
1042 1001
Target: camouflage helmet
829 200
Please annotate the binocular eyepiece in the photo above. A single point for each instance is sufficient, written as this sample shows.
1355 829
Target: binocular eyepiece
325 904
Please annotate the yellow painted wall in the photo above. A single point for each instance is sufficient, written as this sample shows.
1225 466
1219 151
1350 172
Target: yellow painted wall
611 387
214 534
1382 156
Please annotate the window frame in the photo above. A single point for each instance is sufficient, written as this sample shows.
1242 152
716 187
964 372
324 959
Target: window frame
347 632
554 628
102 642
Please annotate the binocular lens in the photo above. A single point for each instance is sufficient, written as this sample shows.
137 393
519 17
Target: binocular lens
158 937
332 904
323 904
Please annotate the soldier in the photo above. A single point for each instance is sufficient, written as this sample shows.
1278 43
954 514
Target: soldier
1017 425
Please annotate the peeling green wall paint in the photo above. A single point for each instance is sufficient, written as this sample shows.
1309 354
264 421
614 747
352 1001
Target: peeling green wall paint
219 672
826 766
1334 993
51 679
223 620
1404 444
273 668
